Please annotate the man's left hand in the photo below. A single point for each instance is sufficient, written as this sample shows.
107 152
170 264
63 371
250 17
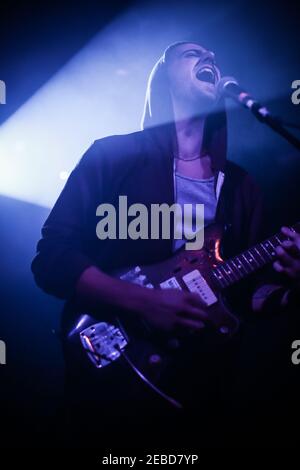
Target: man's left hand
288 253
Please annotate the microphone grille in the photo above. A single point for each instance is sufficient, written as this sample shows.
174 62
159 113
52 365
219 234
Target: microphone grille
223 83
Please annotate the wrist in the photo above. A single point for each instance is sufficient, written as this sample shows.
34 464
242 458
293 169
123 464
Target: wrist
270 299
135 297
282 300
265 295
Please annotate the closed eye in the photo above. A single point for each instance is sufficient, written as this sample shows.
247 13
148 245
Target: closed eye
192 53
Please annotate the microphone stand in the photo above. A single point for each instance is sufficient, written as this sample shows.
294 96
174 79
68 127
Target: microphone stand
285 123
263 115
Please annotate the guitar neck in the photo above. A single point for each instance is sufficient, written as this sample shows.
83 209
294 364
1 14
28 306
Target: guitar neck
249 261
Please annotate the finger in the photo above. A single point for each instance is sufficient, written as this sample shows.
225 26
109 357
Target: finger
281 269
289 233
278 267
194 325
284 258
194 312
291 248
195 299
292 273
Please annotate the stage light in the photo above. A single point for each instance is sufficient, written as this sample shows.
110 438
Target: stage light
101 90
2 92
64 175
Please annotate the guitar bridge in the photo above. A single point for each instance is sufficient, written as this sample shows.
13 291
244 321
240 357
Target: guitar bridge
103 342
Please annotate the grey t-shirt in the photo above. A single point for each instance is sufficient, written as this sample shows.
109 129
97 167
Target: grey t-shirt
196 191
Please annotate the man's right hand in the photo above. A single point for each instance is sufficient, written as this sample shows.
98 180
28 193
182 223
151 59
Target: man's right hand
171 308
166 309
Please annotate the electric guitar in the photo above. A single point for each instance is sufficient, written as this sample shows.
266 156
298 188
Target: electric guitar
150 353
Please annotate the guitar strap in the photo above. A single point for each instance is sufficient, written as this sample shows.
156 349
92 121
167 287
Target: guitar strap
219 184
225 191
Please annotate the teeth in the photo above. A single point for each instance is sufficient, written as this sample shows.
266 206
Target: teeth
206 70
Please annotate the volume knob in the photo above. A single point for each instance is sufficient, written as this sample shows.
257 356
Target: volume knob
155 359
224 330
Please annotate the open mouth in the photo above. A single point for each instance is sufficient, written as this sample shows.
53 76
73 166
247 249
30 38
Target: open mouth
206 75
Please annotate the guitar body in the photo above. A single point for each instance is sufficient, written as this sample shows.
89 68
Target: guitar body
154 357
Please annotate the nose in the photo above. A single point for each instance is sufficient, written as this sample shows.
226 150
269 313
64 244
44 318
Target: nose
208 56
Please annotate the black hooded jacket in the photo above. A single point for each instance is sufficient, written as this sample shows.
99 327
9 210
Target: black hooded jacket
139 166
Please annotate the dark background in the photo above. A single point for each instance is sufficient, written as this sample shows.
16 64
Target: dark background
36 40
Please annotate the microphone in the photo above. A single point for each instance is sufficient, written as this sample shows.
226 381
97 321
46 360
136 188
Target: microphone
230 88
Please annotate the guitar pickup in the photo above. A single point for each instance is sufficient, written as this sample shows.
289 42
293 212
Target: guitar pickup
196 283
170 283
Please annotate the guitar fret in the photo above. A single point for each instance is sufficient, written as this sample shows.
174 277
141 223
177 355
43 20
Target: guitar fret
245 265
269 247
238 269
275 242
241 265
230 271
272 246
219 277
235 271
261 251
253 257
260 255
269 255
227 274
248 261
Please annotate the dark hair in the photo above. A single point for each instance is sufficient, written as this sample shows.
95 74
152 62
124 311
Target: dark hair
158 105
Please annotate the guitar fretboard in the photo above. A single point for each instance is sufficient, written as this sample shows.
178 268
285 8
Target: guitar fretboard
249 261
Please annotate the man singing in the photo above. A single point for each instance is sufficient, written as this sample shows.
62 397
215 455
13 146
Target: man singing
179 156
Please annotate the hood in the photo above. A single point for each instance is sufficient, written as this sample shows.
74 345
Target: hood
158 112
